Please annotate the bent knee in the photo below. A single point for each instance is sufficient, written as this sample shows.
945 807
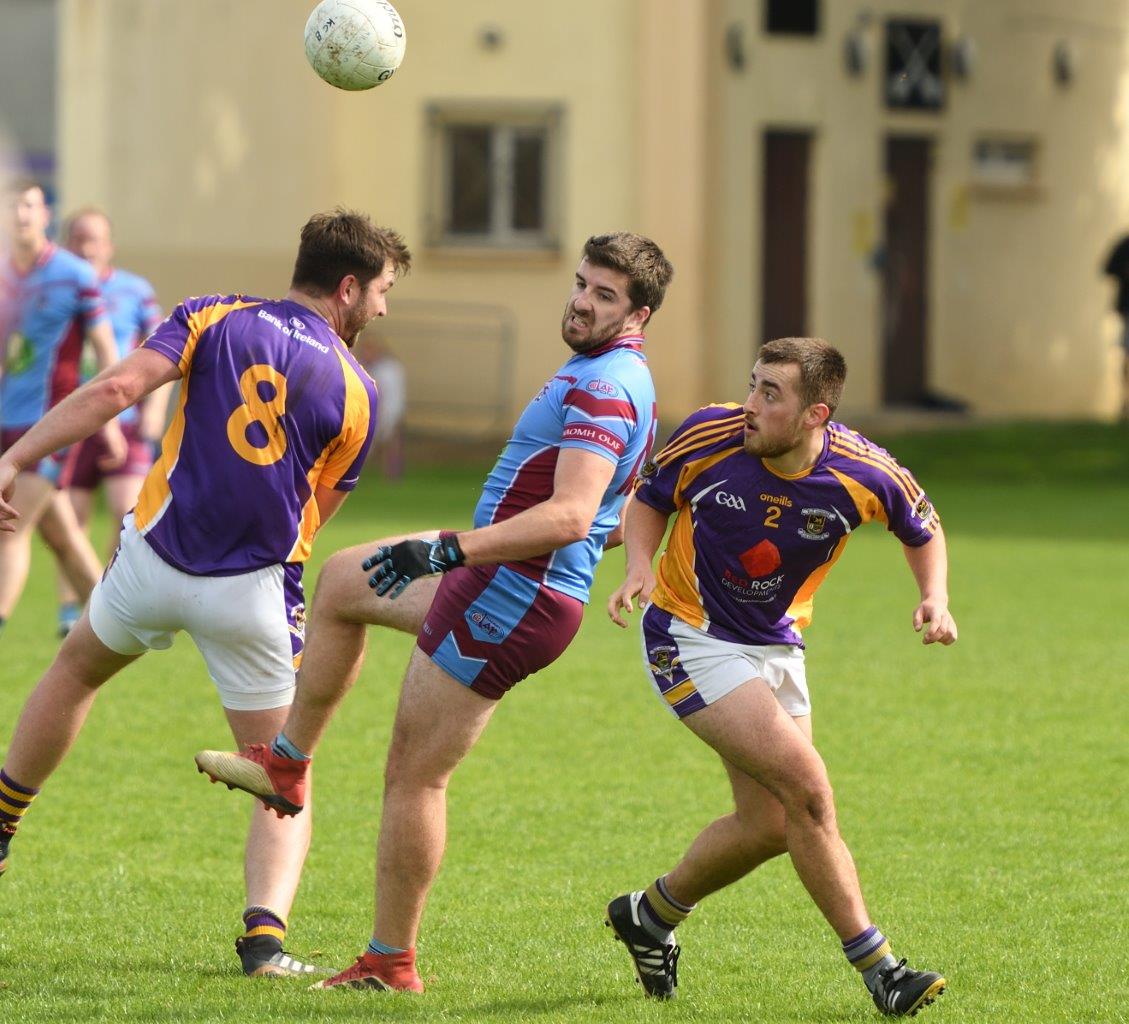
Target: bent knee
763 836
811 800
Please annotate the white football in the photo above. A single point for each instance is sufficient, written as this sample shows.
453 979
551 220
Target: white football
355 44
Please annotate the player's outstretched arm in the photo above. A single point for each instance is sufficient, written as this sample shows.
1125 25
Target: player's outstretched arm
579 483
93 405
929 564
644 528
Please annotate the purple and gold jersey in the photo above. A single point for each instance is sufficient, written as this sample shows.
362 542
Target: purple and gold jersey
749 547
601 401
272 404
44 317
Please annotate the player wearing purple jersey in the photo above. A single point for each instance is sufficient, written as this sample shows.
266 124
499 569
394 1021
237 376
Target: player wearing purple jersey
509 603
764 498
273 423
50 304
131 305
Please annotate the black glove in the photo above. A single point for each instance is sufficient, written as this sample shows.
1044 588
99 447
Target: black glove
396 565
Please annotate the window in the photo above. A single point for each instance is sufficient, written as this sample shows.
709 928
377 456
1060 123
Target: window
791 17
913 65
1005 165
494 177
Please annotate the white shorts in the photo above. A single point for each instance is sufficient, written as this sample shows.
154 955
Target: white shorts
249 627
690 669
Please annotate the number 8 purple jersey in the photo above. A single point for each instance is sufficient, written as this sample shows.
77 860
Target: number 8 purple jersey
272 404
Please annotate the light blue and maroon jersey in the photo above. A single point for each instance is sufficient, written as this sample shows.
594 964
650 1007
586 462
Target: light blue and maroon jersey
131 305
44 317
272 404
603 402
749 547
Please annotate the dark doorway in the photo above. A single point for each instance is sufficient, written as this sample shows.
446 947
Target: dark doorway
905 285
787 155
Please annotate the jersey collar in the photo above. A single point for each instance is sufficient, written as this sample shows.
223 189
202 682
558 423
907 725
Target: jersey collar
41 260
628 341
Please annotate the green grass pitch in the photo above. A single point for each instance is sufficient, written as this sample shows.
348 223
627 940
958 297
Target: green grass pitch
981 788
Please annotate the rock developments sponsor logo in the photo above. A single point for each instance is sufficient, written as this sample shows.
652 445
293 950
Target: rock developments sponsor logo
760 582
922 508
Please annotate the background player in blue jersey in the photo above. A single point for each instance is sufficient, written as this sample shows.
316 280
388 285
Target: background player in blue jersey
509 603
765 497
272 426
131 305
50 306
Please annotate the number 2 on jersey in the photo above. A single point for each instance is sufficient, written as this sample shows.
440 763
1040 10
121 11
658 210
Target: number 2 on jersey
771 514
266 413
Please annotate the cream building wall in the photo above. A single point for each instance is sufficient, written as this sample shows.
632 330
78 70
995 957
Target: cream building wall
202 130
1020 320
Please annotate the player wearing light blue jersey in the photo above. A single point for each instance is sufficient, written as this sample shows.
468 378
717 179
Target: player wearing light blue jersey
50 304
508 604
132 308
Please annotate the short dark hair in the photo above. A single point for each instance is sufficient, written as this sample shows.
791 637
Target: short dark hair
647 269
823 370
345 242
22 183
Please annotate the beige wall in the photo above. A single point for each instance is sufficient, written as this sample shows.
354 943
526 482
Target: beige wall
210 157
1019 321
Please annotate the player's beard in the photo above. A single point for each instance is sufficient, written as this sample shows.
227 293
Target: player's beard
356 322
766 448
592 341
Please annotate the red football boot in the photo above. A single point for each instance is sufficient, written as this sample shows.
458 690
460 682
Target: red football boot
388 972
280 782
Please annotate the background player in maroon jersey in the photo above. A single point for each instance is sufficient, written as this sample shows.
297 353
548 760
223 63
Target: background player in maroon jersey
765 497
274 420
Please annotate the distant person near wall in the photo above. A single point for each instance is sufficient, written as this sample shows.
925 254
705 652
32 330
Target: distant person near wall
388 372
1117 266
